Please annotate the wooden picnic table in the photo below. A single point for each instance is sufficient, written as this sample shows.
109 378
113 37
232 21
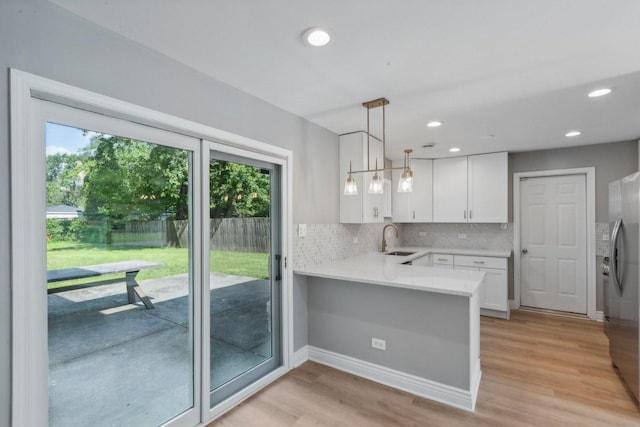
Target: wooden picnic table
130 268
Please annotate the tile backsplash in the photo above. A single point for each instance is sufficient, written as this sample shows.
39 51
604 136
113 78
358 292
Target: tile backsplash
330 242
478 236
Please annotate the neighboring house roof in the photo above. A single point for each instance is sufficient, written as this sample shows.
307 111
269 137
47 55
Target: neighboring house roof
64 211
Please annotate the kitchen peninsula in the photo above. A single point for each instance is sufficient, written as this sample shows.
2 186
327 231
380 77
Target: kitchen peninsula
412 327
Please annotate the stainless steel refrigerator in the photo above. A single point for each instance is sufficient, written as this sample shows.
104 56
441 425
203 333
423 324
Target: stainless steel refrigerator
621 290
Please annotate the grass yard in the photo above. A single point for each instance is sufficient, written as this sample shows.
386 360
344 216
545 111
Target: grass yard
174 260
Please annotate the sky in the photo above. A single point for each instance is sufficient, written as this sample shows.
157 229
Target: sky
65 139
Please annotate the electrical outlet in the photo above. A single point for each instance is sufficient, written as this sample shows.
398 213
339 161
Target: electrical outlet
503 226
605 236
422 233
378 343
355 240
302 230
462 236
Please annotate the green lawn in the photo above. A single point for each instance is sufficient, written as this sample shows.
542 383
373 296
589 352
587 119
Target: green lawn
174 260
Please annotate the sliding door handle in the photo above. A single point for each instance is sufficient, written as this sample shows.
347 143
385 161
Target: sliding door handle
278 267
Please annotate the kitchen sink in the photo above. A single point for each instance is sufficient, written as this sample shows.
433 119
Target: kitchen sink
400 253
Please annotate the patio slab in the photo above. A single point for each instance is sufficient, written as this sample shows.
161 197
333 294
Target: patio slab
119 364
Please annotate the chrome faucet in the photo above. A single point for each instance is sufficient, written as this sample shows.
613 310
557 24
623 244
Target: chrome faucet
384 239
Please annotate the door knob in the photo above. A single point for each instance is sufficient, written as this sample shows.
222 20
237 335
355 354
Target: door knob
524 251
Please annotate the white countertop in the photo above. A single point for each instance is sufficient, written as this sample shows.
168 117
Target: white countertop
388 270
419 252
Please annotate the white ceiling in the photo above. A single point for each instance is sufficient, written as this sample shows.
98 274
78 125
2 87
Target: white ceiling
518 70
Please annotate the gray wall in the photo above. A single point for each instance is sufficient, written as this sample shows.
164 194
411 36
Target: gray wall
612 161
427 334
41 38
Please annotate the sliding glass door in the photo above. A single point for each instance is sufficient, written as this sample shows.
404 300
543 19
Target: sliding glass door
121 279
245 272
147 265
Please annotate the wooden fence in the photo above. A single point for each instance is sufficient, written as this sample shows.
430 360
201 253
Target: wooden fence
227 234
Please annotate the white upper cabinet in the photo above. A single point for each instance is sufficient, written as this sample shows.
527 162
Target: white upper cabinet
363 207
417 205
387 203
488 186
450 190
471 189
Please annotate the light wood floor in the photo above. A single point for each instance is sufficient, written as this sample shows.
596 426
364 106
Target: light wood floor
537 370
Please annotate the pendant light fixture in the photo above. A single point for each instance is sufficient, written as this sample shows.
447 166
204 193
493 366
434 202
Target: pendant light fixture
377 182
405 184
350 187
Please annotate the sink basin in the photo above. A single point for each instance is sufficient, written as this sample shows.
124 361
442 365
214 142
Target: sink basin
399 253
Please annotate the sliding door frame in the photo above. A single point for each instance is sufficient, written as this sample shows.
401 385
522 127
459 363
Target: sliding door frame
28 368
286 345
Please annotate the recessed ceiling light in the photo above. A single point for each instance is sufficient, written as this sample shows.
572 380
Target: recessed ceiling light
317 36
454 149
572 133
434 124
600 92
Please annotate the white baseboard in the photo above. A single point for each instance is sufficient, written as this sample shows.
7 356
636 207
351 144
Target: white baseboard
599 316
300 356
453 396
495 313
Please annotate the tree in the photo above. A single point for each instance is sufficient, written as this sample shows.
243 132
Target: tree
238 190
131 180
65 178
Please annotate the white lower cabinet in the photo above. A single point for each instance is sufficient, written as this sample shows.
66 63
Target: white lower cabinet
423 261
494 292
442 260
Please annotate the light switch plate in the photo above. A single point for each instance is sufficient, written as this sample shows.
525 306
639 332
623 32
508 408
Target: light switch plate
302 230
422 233
462 236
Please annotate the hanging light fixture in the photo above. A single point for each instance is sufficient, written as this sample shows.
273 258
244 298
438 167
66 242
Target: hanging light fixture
377 182
350 187
405 184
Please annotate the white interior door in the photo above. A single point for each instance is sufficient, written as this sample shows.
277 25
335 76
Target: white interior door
553 243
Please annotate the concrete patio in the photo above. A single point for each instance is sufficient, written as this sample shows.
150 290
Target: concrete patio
118 364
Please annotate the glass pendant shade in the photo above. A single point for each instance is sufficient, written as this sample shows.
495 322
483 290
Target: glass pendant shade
350 187
377 184
405 184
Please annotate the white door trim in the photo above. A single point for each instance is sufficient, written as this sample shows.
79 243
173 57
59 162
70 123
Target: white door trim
28 353
590 174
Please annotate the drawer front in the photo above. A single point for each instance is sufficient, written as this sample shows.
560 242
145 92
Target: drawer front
481 262
442 259
423 260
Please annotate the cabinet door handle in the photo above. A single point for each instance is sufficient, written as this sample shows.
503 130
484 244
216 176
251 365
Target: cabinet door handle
478 262
442 259
465 214
414 214
470 213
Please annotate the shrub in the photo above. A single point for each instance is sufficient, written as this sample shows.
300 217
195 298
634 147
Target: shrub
65 230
